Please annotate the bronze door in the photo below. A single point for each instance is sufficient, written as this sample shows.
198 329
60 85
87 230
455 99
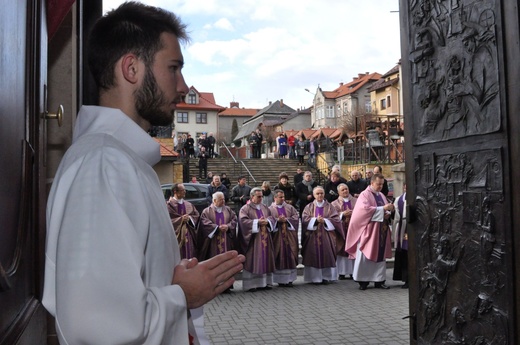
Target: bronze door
22 74
460 100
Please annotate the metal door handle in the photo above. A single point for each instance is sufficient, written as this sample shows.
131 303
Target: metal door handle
58 115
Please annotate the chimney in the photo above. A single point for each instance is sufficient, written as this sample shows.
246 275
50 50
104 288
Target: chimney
281 102
355 78
367 73
233 105
341 84
270 102
360 75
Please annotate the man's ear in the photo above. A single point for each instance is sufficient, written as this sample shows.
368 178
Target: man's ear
130 68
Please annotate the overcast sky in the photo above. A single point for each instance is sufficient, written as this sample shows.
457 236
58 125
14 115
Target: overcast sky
256 51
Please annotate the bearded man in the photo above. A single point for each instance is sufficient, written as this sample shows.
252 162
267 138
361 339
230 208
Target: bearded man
184 217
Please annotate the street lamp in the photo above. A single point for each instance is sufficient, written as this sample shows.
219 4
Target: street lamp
313 112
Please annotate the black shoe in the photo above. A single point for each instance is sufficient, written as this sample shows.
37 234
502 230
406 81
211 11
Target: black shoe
363 286
228 290
405 286
381 286
252 290
342 277
325 282
268 287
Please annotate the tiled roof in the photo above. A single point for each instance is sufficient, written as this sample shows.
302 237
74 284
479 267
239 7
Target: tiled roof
353 86
206 102
306 132
381 84
275 108
326 132
246 112
284 118
394 70
166 147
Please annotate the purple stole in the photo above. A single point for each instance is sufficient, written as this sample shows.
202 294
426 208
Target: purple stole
262 233
382 230
221 238
281 211
181 208
318 211
346 205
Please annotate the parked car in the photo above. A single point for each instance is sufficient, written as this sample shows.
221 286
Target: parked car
195 193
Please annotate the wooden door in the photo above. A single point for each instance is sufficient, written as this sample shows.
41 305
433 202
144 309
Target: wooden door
22 204
460 75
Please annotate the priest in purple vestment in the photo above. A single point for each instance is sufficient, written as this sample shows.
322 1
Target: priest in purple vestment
217 228
368 236
344 204
184 218
285 240
321 229
254 231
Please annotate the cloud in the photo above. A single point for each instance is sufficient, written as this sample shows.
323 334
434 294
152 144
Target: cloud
256 51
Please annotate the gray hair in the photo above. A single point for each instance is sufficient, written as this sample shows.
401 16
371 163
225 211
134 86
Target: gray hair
218 194
254 190
342 184
318 187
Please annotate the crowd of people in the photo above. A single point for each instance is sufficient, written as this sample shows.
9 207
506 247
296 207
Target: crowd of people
291 147
186 146
345 228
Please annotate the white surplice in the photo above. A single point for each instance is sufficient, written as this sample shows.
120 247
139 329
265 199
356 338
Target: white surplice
111 248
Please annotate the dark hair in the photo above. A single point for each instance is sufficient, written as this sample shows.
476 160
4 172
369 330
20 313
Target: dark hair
376 176
283 174
240 177
380 169
276 191
131 28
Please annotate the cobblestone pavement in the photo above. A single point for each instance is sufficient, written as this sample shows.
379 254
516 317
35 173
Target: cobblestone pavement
338 313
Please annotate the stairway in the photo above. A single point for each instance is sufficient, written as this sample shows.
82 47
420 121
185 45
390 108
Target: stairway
261 169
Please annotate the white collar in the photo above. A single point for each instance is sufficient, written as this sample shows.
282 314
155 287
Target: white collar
320 204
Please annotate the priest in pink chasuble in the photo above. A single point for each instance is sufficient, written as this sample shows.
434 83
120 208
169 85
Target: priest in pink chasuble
368 236
344 204
184 217
255 227
285 240
217 228
321 229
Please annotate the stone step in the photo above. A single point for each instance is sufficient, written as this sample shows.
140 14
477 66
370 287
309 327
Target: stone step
261 169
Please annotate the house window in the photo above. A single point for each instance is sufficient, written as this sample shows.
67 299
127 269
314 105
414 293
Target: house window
202 118
368 107
192 97
330 111
388 103
182 117
383 103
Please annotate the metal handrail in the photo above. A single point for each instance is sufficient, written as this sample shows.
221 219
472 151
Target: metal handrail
249 172
225 146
